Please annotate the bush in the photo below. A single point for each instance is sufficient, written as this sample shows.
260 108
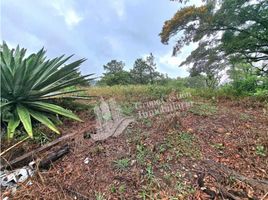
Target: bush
245 86
28 86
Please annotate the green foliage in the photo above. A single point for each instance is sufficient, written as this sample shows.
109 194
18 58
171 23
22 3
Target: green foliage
245 81
122 164
142 151
100 196
261 94
245 86
115 74
226 30
219 146
140 73
195 82
77 74
149 173
28 86
117 78
184 144
260 150
144 71
203 110
113 67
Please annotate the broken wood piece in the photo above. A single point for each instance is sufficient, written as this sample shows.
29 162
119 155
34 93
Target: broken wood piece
46 162
260 184
28 157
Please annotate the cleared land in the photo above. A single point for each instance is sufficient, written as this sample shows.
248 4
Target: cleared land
216 149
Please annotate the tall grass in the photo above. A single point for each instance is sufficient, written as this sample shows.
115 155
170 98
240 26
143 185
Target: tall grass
125 92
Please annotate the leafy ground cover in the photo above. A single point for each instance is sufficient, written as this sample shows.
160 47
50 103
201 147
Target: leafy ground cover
216 149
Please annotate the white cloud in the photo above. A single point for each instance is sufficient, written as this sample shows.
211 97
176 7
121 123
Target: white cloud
170 61
119 7
65 9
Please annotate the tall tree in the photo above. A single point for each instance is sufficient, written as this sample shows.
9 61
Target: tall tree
228 27
113 67
151 67
144 71
115 74
140 73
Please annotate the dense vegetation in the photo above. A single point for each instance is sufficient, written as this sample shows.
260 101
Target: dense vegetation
214 148
29 85
231 35
231 57
143 72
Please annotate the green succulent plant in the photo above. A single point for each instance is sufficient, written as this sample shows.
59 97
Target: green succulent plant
30 83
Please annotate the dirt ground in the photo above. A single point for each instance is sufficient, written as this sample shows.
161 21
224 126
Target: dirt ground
214 150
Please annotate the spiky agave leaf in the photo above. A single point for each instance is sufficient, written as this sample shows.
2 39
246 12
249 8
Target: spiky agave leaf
27 83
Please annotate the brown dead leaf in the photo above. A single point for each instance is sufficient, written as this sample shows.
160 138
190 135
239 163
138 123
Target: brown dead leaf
220 130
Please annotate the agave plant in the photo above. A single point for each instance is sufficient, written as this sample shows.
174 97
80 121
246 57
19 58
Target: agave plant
28 83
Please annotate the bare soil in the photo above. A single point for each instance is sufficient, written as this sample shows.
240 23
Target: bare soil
214 152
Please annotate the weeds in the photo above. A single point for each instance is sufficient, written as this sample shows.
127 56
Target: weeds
147 122
260 150
184 144
149 173
113 188
219 146
122 164
99 196
244 117
203 110
141 153
127 109
41 138
122 189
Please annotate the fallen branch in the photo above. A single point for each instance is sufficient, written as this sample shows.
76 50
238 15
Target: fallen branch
260 184
222 191
13 146
46 162
26 158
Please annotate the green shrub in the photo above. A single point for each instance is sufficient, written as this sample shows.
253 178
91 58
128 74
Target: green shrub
261 94
29 84
245 86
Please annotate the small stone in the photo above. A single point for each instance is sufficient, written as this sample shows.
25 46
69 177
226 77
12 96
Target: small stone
87 160
190 130
133 162
203 188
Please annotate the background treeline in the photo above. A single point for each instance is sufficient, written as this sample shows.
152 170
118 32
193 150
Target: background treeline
143 72
232 38
241 79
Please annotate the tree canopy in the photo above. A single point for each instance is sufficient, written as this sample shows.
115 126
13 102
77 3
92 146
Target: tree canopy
114 66
224 29
144 71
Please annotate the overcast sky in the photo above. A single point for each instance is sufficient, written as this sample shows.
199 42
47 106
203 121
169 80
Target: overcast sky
97 30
